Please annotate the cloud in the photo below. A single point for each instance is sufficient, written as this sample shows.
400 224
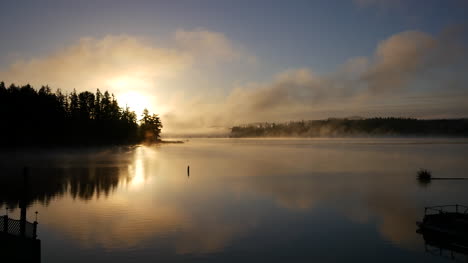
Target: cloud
398 62
207 45
403 69
90 63
398 59
410 55
123 63
411 74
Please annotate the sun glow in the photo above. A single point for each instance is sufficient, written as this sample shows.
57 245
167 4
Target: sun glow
134 100
126 89
137 169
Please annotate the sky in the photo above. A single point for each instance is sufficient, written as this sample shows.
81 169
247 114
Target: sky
204 66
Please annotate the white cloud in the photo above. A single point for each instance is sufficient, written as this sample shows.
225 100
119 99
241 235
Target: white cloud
90 63
404 67
207 45
125 64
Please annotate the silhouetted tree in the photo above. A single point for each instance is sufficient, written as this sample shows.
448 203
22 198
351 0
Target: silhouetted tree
150 126
31 117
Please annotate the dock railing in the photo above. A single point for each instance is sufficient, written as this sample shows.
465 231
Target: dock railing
13 227
446 209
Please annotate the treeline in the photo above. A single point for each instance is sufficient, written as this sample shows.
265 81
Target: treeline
42 117
355 127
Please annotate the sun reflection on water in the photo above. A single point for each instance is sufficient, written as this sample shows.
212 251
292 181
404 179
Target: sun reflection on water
137 169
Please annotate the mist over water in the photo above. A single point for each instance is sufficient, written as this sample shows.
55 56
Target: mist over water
245 200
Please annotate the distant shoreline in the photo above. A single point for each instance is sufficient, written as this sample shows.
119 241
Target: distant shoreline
170 141
355 128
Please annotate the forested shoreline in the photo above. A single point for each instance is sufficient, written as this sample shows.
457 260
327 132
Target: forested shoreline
334 127
41 117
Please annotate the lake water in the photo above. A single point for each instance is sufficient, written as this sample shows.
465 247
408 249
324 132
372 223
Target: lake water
246 200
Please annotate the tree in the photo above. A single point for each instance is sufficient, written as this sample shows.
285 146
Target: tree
97 105
129 116
74 105
150 127
86 103
42 117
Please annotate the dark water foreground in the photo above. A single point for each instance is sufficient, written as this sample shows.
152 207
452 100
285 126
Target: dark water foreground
245 200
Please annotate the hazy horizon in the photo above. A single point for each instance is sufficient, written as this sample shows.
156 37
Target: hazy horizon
217 64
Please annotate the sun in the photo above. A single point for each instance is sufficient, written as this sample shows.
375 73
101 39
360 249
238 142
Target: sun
136 101
127 94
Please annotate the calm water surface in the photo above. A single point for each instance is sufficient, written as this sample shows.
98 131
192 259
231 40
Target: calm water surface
246 200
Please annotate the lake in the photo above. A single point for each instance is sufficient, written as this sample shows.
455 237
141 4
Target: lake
244 200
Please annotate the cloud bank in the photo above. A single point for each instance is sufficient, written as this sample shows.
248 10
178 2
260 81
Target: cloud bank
412 74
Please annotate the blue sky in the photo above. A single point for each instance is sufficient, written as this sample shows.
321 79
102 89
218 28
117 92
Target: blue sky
279 36
320 34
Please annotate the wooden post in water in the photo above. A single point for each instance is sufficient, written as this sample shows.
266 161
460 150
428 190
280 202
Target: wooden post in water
34 236
188 170
35 227
23 202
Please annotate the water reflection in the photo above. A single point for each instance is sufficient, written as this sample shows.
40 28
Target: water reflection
441 246
94 173
245 200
